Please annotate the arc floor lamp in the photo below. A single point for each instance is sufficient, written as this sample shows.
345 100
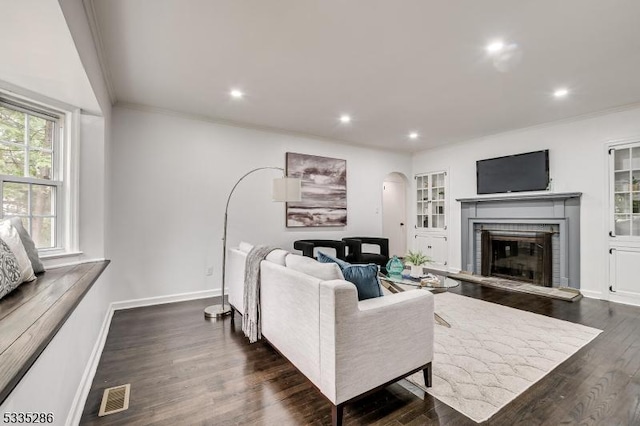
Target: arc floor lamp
285 189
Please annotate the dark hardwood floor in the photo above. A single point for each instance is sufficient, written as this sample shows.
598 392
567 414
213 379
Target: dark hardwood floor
185 370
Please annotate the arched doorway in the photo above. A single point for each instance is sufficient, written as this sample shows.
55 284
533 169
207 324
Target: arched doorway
394 212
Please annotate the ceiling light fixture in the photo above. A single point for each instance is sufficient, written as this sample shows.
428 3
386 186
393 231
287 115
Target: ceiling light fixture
413 135
236 94
561 93
345 119
495 47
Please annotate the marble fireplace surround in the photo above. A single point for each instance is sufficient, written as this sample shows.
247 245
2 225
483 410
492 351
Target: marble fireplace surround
557 209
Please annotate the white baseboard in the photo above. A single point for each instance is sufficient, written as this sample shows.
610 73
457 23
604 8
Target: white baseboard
80 398
592 294
160 300
626 299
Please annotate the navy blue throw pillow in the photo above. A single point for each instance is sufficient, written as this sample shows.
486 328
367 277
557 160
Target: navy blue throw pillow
325 258
364 277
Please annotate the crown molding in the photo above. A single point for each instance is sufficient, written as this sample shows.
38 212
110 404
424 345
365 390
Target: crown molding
96 33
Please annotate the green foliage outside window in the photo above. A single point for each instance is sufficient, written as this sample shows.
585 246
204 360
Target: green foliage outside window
26 150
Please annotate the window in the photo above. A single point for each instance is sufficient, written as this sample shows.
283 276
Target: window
31 170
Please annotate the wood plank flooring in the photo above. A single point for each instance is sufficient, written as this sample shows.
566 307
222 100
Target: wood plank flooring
185 370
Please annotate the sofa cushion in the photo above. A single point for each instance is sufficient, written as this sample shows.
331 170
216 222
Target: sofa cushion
278 256
309 266
245 247
365 277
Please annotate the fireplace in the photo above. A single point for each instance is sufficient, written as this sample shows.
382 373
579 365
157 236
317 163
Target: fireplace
522 256
521 226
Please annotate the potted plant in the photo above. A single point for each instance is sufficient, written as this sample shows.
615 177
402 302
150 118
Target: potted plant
416 260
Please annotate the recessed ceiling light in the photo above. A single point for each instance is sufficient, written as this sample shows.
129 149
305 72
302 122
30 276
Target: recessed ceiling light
495 46
413 135
561 93
236 94
345 119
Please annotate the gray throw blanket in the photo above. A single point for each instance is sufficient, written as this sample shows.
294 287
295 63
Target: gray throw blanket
251 318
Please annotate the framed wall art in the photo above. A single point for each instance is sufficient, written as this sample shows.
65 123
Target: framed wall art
324 191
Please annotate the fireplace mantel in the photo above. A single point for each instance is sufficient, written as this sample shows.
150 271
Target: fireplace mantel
523 197
530 210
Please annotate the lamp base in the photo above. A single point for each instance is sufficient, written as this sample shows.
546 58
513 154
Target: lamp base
217 311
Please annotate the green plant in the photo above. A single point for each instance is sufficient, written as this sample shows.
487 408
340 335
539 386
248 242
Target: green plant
416 258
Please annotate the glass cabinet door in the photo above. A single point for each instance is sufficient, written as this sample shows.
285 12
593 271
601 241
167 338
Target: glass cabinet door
438 200
626 191
431 200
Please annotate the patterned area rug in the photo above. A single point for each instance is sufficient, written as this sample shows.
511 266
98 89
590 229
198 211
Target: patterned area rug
493 353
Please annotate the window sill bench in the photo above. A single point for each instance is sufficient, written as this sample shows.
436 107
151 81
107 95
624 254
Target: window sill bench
32 314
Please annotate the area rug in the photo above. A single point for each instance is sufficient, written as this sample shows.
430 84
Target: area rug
493 353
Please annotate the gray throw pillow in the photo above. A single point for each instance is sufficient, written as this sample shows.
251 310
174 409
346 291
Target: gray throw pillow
29 245
9 270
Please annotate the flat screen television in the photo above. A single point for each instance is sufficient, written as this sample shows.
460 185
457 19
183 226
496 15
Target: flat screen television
513 173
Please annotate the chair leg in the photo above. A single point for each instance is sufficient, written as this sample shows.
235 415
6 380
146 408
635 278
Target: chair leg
428 381
336 414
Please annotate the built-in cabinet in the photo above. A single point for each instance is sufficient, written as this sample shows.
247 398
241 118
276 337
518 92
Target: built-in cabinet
434 246
624 222
431 205
432 213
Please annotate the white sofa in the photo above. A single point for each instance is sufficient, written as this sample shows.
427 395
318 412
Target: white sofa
346 348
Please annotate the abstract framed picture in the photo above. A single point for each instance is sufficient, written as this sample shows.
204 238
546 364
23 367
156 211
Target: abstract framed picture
324 191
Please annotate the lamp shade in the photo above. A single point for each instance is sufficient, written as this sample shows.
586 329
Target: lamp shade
287 189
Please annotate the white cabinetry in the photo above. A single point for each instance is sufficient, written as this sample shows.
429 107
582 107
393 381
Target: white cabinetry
434 246
624 273
431 201
624 220
432 212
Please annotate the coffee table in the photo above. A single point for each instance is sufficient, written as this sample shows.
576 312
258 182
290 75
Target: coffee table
397 283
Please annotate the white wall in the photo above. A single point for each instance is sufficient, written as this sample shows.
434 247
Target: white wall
72 75
577 164
38 53
172 176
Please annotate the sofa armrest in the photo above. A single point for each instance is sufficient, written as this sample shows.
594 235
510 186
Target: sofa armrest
236 260
358 338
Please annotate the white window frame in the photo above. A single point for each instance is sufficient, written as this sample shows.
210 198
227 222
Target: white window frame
66 169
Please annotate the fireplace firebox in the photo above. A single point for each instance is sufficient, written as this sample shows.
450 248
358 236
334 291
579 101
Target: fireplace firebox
523 256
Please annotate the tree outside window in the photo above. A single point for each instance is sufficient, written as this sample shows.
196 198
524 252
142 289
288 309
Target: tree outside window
29 181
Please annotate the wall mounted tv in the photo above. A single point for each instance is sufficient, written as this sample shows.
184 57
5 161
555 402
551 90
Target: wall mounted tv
513 173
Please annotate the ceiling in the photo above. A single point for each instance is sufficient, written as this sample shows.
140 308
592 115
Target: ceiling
395 67
38 54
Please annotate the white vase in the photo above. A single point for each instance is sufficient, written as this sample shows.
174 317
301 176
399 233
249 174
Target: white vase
416 271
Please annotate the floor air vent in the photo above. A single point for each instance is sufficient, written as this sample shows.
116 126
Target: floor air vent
114 400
